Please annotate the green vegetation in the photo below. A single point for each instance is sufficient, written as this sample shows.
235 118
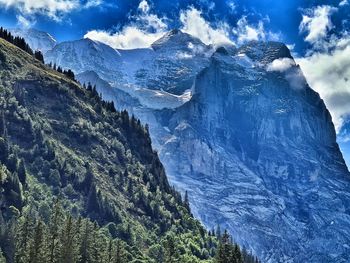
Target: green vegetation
60 141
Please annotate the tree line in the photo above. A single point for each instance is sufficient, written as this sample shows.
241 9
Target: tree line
61 239
21 43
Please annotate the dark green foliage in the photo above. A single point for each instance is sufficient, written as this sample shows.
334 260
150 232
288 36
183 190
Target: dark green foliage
68 73
64 239
37 247
228 252
171 254
22 174
39 56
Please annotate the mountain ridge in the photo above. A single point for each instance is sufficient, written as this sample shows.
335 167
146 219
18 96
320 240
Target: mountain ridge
215 146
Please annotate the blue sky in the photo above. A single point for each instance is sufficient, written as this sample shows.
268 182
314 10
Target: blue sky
317 32
72 19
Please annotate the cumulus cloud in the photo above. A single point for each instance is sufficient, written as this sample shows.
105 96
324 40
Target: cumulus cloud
148 27
194 24
246 32
52 8
329 75
144 6
327 65
316 22
281 64
141 33
129 38
343 3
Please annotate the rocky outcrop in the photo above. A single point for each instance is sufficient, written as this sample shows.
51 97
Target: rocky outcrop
258 155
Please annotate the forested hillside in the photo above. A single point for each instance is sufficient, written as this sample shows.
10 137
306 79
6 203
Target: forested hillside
80 182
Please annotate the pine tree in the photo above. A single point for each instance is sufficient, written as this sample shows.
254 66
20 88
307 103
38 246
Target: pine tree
38 249
39 56
224 252
95 248
109 257
3 130
69 248
54 228
218 232
120 255
85 242
187 201
23 237
171 253
237 255
4 150
89 178
22 174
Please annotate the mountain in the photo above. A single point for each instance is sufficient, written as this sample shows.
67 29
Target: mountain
258 155
59 141
37 40
147 73
252 143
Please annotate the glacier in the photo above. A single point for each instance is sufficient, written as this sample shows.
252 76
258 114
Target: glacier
255 148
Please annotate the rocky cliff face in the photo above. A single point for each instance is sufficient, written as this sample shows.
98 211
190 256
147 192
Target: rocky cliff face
259 156
252 143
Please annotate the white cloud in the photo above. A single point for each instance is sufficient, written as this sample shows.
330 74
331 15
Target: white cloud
292 73
52 8
291 47
129 38
281 65
247 32
148 28
327 65
232 6
296 78
194 24
317 23
343 3
329 75
141 33
144 6
93 3
24 22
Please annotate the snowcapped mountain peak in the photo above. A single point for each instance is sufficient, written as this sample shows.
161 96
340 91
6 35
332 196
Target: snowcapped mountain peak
37 40
84 55
97 46
178 40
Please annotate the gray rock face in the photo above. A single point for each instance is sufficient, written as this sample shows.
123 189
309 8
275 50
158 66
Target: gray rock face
259 157
251 142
